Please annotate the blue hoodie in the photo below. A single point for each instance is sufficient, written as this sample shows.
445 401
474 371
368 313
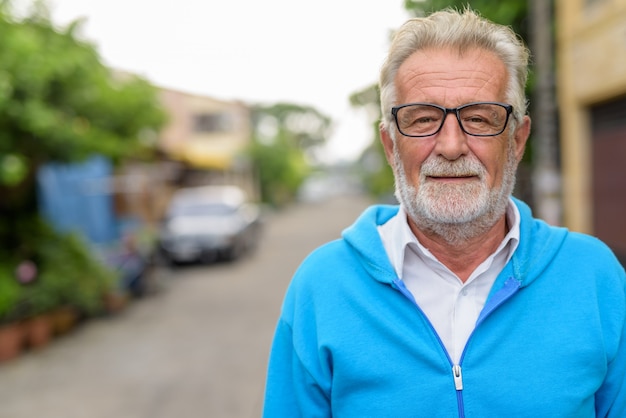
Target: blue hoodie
550 341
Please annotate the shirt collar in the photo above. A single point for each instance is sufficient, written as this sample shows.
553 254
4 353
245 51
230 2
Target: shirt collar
397 235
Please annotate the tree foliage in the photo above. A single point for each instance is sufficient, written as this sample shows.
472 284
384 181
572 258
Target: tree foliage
375 172
512 13
286 138
58 102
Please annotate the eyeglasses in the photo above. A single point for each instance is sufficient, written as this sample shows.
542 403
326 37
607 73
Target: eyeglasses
476 119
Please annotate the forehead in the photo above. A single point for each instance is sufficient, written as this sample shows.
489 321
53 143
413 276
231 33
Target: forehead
451 78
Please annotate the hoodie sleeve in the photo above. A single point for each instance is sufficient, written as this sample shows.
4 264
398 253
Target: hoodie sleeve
290 390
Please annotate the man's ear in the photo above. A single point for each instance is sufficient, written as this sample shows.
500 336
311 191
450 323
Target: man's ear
387 141
522 132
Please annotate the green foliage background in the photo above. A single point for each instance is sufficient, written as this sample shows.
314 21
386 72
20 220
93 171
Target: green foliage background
58 103
284 153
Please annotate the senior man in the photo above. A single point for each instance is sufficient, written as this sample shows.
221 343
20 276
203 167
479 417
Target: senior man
457 302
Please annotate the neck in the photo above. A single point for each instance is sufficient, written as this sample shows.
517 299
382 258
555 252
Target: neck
459 248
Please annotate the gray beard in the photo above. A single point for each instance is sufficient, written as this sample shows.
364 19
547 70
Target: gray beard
456 213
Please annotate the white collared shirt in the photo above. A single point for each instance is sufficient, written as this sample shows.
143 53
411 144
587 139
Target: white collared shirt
451 306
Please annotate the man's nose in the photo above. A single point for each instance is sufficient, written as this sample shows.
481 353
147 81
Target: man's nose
451 140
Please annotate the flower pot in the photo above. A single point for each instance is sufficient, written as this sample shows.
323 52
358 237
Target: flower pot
114 302
63 320
37 331
11 341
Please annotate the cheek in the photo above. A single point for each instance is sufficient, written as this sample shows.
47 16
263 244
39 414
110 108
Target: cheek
411 156
409 168
494 159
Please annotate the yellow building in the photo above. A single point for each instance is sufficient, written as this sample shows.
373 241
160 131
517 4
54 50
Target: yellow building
208 138
591 88
202 131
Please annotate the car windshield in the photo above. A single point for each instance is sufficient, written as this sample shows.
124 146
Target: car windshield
213 209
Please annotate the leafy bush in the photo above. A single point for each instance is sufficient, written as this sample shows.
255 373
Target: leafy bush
9 295
72 275
51 270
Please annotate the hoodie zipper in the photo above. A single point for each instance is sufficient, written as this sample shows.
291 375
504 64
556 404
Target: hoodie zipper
456 368
511 286
457 375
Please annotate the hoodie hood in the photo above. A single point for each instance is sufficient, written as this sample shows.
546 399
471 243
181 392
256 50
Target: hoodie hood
539 244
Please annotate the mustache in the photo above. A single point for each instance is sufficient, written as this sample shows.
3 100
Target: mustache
464 167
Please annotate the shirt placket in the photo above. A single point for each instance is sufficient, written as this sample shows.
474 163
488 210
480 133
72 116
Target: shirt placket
463 319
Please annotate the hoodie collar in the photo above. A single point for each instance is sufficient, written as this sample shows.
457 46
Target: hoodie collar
397 236
538 244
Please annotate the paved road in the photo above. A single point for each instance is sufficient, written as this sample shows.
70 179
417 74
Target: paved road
196 349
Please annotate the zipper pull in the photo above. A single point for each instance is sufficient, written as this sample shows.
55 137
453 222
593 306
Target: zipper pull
458 377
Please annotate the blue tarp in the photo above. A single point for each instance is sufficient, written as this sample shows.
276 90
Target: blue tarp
78 197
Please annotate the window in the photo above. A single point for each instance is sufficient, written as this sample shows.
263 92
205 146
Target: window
593 3
212 122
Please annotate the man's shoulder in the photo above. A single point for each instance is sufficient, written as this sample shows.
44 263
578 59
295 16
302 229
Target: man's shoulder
590 246
358 252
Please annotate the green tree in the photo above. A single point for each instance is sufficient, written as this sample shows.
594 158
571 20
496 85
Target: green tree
58 103
513 13
375 172
286 139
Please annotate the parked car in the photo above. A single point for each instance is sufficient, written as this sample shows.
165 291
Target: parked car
209 223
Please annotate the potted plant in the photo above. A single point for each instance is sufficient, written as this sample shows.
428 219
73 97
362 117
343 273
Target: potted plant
11 334
73 275
37 300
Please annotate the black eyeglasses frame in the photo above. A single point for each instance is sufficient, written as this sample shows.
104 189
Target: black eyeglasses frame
454 110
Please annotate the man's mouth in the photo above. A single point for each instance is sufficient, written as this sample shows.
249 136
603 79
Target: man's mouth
453 178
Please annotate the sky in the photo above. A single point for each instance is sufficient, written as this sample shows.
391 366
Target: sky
313 53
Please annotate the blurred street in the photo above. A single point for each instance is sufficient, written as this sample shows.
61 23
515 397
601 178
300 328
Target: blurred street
198 348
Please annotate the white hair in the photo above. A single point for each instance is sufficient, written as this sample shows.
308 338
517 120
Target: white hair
463 31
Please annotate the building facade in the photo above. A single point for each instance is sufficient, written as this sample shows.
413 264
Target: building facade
591 88
208 138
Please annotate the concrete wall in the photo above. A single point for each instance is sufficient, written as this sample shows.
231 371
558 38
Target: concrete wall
591 65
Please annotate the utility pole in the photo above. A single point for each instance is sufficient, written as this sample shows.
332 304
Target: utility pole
546 178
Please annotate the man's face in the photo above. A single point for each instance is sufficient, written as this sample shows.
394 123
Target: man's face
452 177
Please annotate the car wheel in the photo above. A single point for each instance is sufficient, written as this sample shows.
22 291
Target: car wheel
234 252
